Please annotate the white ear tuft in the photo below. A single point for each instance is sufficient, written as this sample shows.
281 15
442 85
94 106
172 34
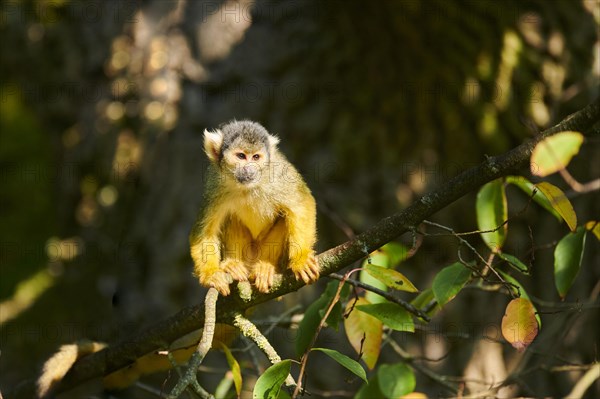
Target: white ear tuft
212 144
273 141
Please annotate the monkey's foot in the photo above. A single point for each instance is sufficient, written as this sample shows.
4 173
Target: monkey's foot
235 268
264 273
219 280
308 271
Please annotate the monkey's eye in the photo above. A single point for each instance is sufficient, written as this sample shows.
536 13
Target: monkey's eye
240 155
255 157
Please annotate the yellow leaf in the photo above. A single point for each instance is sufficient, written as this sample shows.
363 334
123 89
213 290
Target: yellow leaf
359 326
519 325
560 202
594 227
414 395
555 152
234 366
391 278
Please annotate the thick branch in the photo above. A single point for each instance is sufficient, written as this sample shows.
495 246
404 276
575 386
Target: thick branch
189 319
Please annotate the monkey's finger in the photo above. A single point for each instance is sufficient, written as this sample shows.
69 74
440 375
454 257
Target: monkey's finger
223 289
238 272
314 271
302 274
220 281
265 274
268 279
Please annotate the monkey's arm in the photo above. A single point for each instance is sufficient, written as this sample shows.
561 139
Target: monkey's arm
205 247
301 219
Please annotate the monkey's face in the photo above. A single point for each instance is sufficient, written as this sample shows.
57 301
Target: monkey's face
247 165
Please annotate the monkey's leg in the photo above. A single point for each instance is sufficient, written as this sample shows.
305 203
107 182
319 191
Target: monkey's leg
238 250
270 248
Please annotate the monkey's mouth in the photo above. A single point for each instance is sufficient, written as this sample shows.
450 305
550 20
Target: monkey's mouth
247 180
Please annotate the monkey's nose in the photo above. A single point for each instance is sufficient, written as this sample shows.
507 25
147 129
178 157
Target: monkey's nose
249 173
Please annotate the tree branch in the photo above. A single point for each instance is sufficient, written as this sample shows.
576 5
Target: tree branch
190 318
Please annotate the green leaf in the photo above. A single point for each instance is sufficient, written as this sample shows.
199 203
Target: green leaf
568 255
528 187
519 325
392 315
269 384
369 390
345 361
515 262
396 253
312 318
235 369
391 278
492 211
224 386
449 281
364 333
382 259
555 152
396 380
520 291
560 203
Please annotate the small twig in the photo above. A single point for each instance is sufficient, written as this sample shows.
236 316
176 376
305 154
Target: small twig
584 382
144 387
417 240
454 234
487 262
406 305
572 367
189 378
580 188
249 330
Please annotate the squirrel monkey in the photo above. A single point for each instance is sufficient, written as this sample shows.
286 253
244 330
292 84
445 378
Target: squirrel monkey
258 214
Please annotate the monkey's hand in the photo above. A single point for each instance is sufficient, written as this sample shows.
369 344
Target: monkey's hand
218 279
236 268
306 268
264 274
206 254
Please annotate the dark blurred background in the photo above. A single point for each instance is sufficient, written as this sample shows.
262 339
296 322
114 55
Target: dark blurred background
103 105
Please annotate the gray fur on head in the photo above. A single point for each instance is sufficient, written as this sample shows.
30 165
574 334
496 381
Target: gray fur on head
245 132
252 133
